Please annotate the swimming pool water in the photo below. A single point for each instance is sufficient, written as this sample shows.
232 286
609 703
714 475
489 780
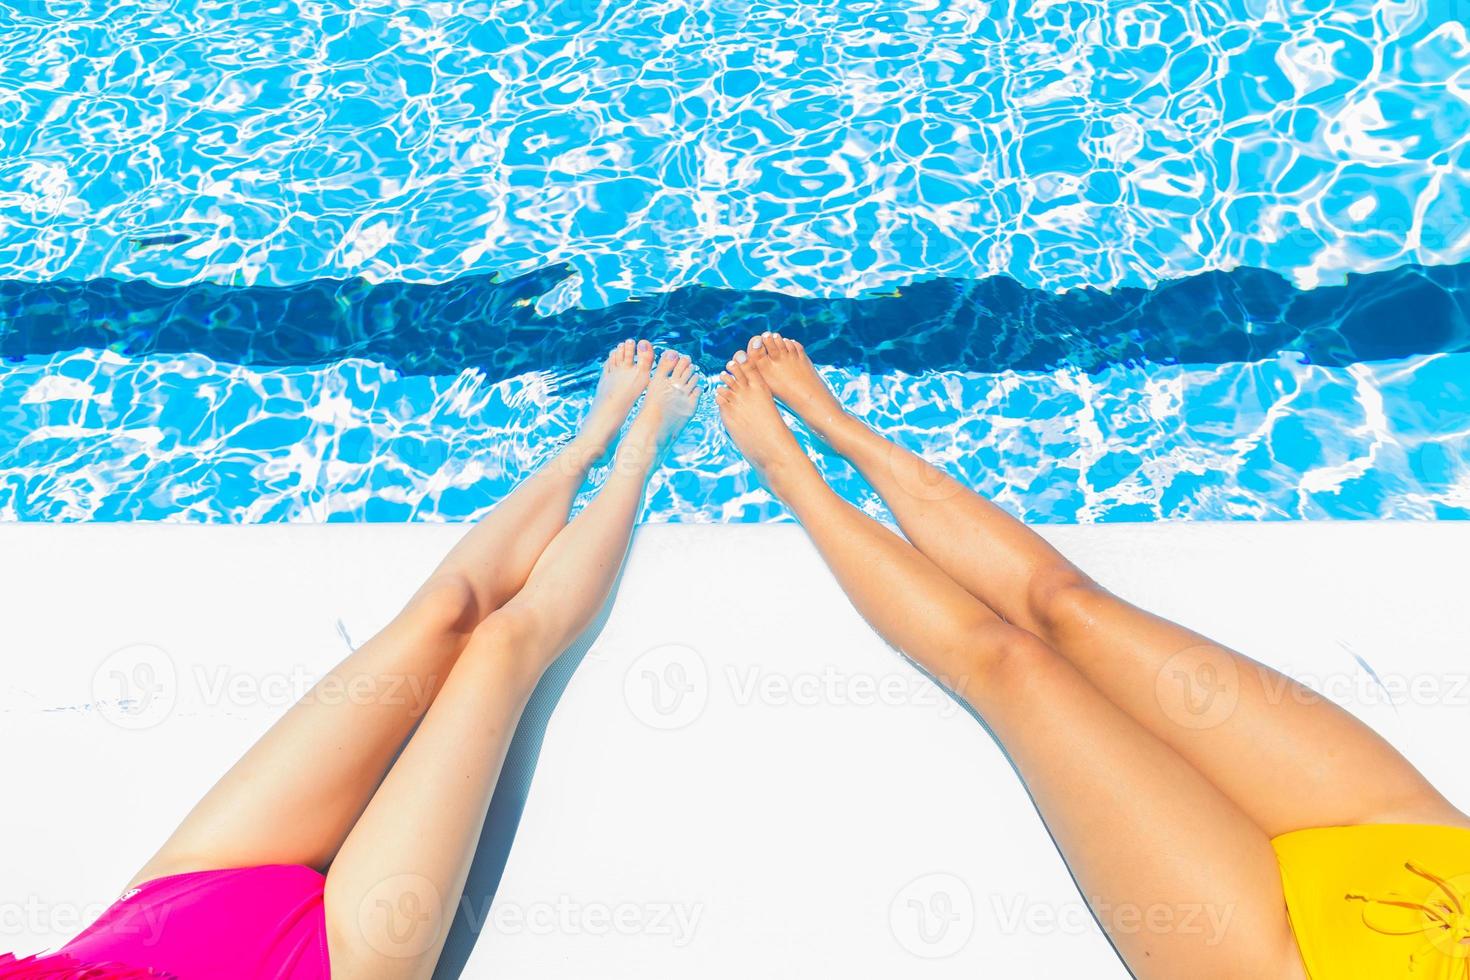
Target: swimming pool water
808 147
274 260
1234 397
354 442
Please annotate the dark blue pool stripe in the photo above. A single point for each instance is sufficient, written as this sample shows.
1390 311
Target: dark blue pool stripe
986 325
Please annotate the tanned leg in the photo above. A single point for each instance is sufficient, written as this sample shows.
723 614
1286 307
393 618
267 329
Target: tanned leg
1287 757
1143 832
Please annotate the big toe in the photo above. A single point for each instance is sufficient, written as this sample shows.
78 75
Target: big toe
666 363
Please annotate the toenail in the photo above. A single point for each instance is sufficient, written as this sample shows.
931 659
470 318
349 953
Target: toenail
757 344
740 356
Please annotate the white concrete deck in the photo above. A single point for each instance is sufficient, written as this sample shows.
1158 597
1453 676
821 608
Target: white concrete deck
739 779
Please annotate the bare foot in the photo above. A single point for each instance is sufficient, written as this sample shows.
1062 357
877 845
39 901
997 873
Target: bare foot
792 377
754 422
673 394
624 377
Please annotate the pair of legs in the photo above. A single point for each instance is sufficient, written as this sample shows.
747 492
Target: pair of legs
469 647
1162 763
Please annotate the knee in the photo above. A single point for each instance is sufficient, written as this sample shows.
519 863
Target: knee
997 651
513 629
447 603
1061 596
515 643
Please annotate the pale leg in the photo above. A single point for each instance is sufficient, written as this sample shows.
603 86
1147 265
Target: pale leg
393 888
292 798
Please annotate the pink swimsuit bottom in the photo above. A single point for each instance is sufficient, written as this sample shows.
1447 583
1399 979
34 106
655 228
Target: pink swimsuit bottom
241 924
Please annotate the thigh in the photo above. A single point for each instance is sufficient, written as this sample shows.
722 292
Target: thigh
293 797
1290 758
1184 882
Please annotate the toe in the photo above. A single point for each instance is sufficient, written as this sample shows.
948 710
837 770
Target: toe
666 363
745 374
756 346
757 380
684 371
644 354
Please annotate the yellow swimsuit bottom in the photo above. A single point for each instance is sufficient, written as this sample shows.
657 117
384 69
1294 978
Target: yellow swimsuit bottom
1380 901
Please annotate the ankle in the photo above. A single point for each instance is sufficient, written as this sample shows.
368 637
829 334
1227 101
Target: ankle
637 455
788 475
840 429
581 454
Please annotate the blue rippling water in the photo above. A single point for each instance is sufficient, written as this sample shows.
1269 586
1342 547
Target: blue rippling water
182 437
280 260
814 148
1228 397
